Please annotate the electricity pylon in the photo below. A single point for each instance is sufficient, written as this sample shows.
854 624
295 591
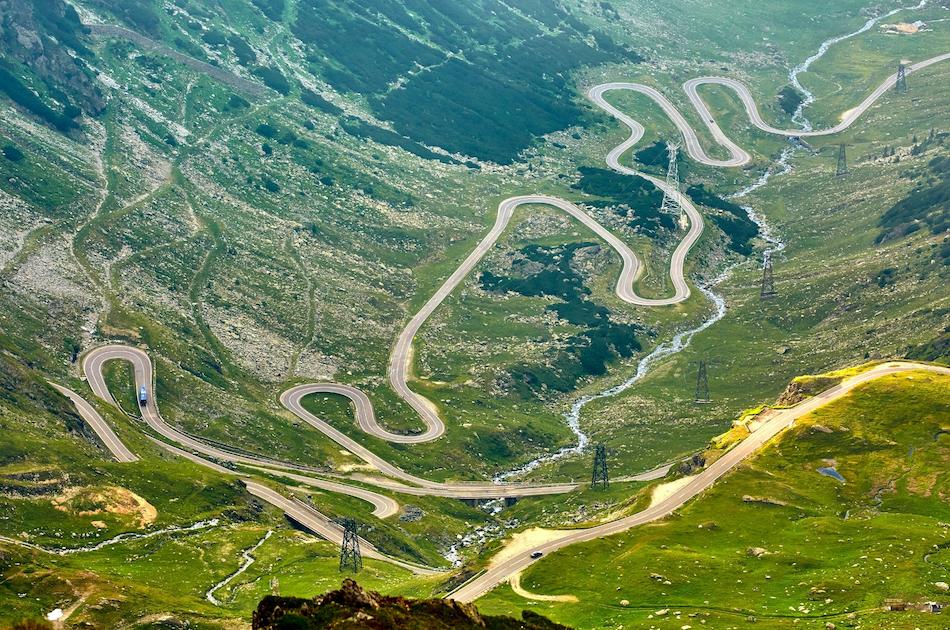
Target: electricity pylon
600 468
702 384
671 203
350 557
842 162
900 86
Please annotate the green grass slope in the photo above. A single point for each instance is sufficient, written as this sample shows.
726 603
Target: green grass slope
779 542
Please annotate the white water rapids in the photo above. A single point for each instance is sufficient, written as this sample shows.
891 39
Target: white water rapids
248 561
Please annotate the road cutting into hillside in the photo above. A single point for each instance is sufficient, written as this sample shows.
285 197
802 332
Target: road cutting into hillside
93 364
195 450
119 450
783 419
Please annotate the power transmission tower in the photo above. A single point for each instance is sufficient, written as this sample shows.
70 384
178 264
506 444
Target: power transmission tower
600 468
702 384
842 162
900 86
350 557
671 203
768 282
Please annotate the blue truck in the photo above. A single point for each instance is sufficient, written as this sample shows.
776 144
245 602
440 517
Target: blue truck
143 395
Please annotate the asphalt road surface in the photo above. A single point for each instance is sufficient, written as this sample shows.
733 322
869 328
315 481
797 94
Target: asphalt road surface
400 362
103 430
753 113
317 522
93 364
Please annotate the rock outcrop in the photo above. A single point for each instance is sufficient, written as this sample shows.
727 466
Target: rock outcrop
40 35
351 607
804 387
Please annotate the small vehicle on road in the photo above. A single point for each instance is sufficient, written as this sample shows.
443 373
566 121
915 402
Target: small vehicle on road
143 395
536 554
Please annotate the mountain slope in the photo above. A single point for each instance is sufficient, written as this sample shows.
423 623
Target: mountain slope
781 539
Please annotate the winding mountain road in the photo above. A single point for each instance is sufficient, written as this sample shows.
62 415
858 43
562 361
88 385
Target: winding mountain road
400 365
400 362
317 522
93 365
755 118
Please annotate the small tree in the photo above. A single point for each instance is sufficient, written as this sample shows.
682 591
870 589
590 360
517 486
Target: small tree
73 347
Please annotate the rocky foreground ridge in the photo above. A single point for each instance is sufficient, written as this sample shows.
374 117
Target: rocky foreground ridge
351 607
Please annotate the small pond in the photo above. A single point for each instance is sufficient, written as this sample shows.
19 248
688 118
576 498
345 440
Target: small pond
829 471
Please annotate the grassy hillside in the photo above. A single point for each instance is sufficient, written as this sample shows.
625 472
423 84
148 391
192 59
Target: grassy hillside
776 540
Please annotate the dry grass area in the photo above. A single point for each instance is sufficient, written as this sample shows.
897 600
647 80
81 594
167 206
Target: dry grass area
107 500
515 583
666 490
526 541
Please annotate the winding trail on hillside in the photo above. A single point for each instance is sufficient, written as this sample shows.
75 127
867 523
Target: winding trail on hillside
781 420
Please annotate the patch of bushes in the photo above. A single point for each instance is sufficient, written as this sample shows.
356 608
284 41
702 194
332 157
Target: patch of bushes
885 277
215 37
789 99
274 9
140 14
657 154
62 22
637 199
12 153
267 130
318 102
362 129
25 98
927 205
513 84
191 49
242 50
585 353
937 349
269 184
272 78
236 102
735 221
